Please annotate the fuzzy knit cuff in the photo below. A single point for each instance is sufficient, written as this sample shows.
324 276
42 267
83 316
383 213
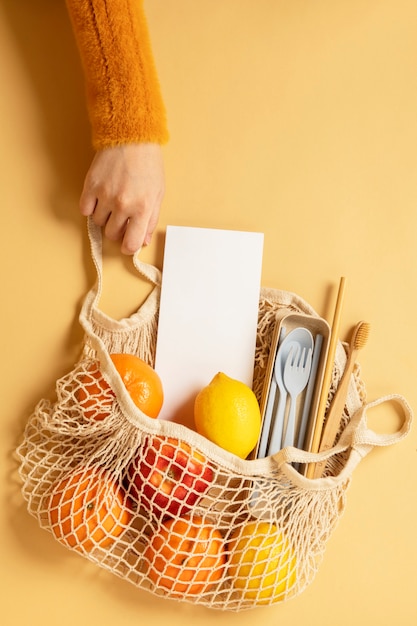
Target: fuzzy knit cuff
123 93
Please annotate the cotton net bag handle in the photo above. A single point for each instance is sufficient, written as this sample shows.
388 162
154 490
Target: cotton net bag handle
90 310
357 437
146 270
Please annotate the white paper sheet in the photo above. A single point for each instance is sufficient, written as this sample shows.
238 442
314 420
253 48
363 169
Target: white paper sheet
208 312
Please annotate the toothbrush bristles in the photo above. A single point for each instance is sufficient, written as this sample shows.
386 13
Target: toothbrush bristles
362 334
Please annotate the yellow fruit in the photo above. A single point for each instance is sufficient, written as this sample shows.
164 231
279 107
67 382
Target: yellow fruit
261 562
227 412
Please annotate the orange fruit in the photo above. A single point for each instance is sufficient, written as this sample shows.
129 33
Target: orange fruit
140 379
186 556
88 509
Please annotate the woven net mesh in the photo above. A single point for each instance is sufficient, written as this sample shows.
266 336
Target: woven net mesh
160 506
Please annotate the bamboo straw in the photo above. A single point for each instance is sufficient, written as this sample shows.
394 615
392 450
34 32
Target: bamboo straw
321 411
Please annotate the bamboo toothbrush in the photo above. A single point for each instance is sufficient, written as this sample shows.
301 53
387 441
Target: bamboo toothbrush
328 370
357 342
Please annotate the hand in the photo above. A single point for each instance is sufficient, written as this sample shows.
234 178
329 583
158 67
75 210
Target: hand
123 191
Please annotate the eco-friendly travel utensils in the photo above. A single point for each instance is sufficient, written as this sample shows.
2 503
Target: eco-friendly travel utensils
286 322
357 342
284 346
296 374
311 385
318 426
303 337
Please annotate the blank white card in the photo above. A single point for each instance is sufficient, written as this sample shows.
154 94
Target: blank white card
208 312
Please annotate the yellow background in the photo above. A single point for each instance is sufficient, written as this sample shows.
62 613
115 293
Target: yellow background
297 118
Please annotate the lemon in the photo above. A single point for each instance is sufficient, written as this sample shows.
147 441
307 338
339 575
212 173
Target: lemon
227 412
262 562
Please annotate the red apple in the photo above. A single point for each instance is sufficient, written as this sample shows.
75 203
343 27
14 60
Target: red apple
168 477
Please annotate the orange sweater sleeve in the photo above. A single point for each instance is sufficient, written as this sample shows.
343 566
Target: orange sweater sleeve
124 99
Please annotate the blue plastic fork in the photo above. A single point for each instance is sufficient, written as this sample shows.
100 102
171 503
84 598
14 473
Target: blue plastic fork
296 374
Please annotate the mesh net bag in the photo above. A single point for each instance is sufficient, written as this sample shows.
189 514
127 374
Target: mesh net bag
164 508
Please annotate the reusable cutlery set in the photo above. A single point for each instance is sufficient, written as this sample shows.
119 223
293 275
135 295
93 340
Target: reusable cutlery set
297 384
295 367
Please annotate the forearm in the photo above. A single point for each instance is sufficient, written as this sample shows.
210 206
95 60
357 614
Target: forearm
123 94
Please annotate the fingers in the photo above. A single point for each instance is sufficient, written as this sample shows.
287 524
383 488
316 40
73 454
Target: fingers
88 202
151 227
134 236
123 191
133 227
